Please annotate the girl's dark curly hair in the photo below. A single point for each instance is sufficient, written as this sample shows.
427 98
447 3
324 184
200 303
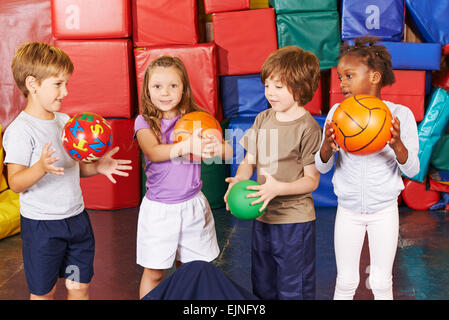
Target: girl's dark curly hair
375 56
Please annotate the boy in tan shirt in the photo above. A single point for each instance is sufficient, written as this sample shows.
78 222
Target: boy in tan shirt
281 145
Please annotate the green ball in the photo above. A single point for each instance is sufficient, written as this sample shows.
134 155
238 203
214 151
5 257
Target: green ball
239 205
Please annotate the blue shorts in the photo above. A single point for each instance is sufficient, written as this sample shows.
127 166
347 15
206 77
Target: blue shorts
57 248
283 261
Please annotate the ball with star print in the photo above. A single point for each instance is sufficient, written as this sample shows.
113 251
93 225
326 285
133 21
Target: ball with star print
86 137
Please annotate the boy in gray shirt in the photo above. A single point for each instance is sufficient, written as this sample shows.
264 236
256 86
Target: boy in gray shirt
57 237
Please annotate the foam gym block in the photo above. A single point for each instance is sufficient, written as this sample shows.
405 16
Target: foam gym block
99 19
101 194
324 195
9 203
417 197
165 22
236 129
288 6
200 62
300 29
440 154
20 21
430 17
102 81
381 18
244 40
213 174
408 90
415 56
431 129
242 96
213 6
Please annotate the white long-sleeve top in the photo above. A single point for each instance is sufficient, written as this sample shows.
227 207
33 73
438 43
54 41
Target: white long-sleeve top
369 183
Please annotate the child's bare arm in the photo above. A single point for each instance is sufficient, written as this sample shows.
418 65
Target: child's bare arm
20 177
244 172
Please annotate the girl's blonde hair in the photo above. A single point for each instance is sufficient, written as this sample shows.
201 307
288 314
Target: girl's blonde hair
187 104
39 60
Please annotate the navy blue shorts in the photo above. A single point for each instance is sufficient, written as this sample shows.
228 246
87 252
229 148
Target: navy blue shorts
283 261
57 248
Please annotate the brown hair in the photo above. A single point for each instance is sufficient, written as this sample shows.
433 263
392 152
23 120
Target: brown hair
374 56
296 68
39 60
187 104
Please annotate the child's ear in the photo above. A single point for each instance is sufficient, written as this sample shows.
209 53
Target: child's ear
31 84
375 77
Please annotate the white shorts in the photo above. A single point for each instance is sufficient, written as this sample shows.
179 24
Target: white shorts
183 231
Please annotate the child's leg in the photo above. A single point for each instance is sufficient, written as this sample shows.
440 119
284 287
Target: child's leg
263 268
48 296
349 234
295 256
383 240
150 279
76 290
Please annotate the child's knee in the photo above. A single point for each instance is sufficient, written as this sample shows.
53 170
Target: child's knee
345 287
77 287
381 286
154 274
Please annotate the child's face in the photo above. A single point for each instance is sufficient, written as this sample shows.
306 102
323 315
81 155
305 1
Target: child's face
51 92
278 95
355 77
166 88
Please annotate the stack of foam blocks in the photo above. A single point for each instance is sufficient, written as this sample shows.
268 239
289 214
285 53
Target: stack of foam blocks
97 37
413 63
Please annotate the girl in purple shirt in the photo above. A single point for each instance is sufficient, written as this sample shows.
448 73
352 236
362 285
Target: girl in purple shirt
175 220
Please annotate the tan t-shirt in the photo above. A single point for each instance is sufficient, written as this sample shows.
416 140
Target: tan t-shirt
283 149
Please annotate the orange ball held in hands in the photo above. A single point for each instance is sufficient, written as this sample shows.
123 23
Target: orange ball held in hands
86 137
189 122
362 124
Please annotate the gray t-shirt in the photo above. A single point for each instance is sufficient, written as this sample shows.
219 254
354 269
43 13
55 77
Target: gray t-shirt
52 197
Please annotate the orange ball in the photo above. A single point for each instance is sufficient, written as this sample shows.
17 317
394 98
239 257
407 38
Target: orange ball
192 121
362 124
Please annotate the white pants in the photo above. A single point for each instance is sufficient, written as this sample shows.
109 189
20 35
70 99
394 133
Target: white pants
349 235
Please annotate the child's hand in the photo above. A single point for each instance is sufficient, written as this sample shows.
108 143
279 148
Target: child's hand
266 191
395 140
47 161
212 146
108 166
329 137
231 181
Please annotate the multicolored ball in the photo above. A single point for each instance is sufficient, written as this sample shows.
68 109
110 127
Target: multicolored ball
86 137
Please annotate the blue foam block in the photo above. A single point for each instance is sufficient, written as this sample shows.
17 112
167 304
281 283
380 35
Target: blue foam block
324 195
414 56
236 129
242 96
431 19
380 18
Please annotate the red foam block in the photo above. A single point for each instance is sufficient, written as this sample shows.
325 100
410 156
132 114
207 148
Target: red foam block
417 197
244 40
103 79
99 19
213 6
99 192
200 62
408 90
165 22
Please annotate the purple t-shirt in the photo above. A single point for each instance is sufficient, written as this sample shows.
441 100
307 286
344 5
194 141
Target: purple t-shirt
170 181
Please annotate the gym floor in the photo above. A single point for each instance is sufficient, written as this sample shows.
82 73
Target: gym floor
420 269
